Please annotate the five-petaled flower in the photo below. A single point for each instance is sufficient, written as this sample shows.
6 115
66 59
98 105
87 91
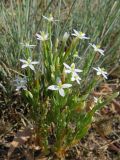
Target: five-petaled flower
80 35
97 49
59 87
42 36
28 63
101 72
71 69
27 45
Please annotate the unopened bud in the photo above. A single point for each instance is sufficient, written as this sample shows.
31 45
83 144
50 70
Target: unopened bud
65 36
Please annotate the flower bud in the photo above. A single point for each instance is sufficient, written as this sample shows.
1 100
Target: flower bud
65 36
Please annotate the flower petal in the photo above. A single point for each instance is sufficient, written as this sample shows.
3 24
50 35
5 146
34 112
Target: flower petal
34 62
74 35
93 45
67 66
66 85
78 81
38 35
72 78
84 37
24 61
67 71
76 32
24 66
45 17
105 72
104 75
98 73
101 51
95 69
61 92
53 87
38 38
31 67
78 70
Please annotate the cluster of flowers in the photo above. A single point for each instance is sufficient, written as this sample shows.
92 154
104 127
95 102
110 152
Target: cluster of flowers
68 69
75 77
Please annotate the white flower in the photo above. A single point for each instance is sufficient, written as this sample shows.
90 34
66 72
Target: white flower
71 69
28 63
97 49
59 87
101 72
76 78
27 45
50 18
42 37
20 83
80 35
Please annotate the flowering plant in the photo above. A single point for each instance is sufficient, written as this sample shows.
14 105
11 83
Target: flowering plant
59 89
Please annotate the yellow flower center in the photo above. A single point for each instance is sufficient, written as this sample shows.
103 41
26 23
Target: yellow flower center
29 61
98 46
60 85
81 33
